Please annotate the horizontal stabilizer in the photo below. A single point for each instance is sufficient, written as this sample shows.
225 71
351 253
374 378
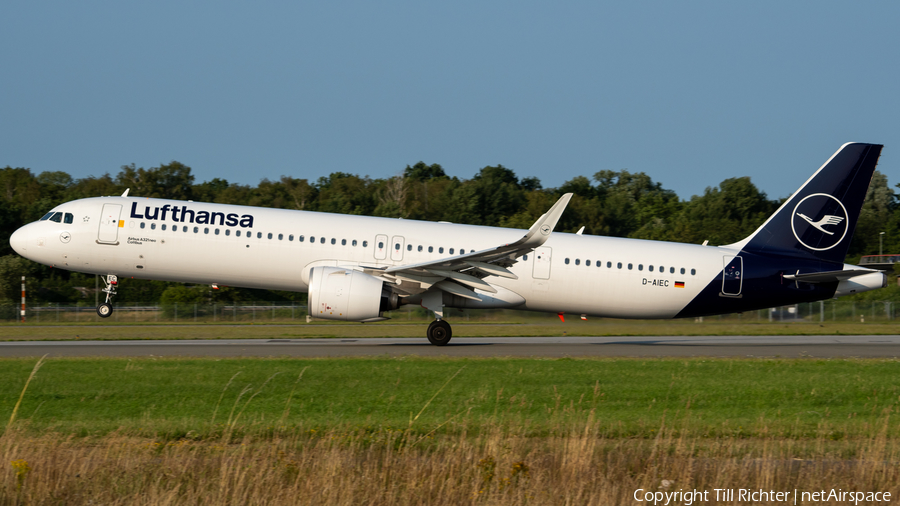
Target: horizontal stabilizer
828 276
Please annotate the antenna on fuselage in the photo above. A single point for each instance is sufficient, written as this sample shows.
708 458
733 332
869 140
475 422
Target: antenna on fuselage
126 192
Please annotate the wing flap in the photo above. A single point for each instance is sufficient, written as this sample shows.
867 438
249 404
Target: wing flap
455 289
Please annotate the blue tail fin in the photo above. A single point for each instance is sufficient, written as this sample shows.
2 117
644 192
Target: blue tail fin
818 220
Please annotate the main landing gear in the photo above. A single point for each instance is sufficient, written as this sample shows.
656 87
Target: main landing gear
105 309
439 333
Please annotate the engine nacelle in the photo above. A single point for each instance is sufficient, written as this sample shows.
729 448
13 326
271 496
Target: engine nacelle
336 293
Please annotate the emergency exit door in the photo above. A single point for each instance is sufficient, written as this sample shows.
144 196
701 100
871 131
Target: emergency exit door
541 269
381 247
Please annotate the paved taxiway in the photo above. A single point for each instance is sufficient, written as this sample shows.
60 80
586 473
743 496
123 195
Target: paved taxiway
875 346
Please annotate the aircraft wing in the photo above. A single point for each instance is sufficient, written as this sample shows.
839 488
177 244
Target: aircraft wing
828 276
460 274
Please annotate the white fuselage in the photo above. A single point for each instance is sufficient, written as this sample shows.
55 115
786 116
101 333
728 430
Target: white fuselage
601 276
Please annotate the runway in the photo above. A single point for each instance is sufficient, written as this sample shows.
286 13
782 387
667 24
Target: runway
833 346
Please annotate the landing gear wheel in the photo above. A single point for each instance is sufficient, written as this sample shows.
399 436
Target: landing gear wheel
104 310
439 333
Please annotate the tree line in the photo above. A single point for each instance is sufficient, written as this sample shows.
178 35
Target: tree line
610 203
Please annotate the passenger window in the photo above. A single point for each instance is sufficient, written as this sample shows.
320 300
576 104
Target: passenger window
301 238
650 268
321 240
291 237
343 242
619 265
153 226
312 239
629 267
577 261
217 231
227 231
640 267
409 247
196 229
57 217
205 230
682 270
431 249
70 218
380 245
671 270
353 243
609 265
333 241
365 244
693 272
451 251
184 229
46 216
397 246
525 257
163 227
599 263
567 261
419 249
237 233
587 263
142 224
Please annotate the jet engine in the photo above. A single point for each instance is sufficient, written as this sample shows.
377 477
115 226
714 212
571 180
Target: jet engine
336 293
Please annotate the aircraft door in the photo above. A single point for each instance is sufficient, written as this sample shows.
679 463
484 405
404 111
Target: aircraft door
381 247
397 248
732 276
541 269
108 233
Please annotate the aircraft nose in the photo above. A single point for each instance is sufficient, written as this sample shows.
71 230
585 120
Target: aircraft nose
18 241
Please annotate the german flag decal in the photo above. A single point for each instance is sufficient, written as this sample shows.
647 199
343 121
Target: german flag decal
679 284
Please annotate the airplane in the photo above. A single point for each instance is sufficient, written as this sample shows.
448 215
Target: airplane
355 268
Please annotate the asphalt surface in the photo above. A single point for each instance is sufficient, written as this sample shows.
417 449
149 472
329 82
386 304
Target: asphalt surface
836 346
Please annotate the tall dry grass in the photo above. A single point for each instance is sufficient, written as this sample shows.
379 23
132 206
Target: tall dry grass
577 465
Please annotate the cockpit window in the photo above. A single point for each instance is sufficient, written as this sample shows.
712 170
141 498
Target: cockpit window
57 217
69 218
47 216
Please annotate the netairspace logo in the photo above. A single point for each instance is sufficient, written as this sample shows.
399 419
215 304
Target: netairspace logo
746 495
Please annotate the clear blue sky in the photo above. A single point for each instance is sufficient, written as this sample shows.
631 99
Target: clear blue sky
689 92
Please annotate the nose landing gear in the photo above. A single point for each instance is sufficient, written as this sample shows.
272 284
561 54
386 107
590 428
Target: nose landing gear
105 309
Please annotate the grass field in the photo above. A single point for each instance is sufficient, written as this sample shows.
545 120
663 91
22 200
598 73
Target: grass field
514 328
451 431
171 398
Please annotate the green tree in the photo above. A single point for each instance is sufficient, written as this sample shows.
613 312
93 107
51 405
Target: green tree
168 181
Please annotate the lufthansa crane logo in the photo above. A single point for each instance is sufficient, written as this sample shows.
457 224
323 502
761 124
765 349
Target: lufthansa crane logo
819 221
